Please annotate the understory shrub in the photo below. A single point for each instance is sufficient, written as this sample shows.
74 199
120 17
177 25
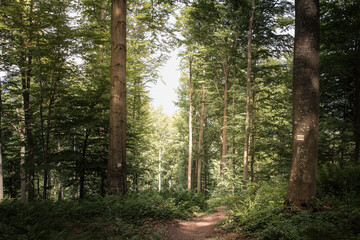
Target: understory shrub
260 212
112 217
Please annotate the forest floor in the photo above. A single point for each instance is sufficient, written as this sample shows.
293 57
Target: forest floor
200 227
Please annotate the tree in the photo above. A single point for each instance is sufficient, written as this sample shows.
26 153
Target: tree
190 128
340 74
1 165
201 137
248 93
302 184
116 178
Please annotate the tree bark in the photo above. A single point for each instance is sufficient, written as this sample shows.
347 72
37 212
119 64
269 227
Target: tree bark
224 125
357 108
46 136
21 131
233 122
206 163
248 93
83 163
252 162
116 179
190 127
1 168
159 182
22 164
60 186
253 127
302 184
201 133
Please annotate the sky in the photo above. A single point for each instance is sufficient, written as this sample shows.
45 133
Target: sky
163 93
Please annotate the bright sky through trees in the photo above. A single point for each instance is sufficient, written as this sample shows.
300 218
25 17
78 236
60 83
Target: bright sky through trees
164 92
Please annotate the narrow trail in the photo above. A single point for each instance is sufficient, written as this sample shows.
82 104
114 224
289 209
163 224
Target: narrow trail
199 228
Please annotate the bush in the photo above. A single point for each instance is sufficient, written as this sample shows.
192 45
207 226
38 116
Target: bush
259 211
116 217
334 181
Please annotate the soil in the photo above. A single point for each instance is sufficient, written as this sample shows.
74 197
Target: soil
198 228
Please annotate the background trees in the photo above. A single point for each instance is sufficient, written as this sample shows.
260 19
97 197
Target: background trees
55 62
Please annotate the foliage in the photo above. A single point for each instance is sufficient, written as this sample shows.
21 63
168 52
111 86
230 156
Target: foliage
114 217
259 211
334 181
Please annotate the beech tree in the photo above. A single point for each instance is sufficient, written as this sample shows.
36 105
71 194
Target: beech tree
248 93
190 126
1 164
302 184
116 178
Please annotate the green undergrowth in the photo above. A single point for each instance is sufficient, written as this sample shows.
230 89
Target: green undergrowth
259 211
132 216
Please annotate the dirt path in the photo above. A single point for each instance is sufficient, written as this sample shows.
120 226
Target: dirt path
198 228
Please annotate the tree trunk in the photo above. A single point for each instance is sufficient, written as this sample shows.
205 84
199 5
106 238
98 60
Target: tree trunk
21 131
190 128
60 186
357 108
159 183
253 128
25 65
224 125
206 163
194 161
46 137
28 128
103 147
201 133
116 178
82 164
302 184
1 169
248 93
253 134
22 165
233 123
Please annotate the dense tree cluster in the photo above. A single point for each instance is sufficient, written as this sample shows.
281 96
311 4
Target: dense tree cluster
234 126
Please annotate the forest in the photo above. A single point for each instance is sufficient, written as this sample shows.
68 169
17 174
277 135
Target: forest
268 120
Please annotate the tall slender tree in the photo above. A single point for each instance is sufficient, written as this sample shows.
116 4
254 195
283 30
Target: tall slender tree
302 184
248 93
190 126
201 137
116 178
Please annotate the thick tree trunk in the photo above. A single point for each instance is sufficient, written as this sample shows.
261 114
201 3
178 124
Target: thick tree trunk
248 93
302 184
1 168
201 133
116 178
357 108
190 128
